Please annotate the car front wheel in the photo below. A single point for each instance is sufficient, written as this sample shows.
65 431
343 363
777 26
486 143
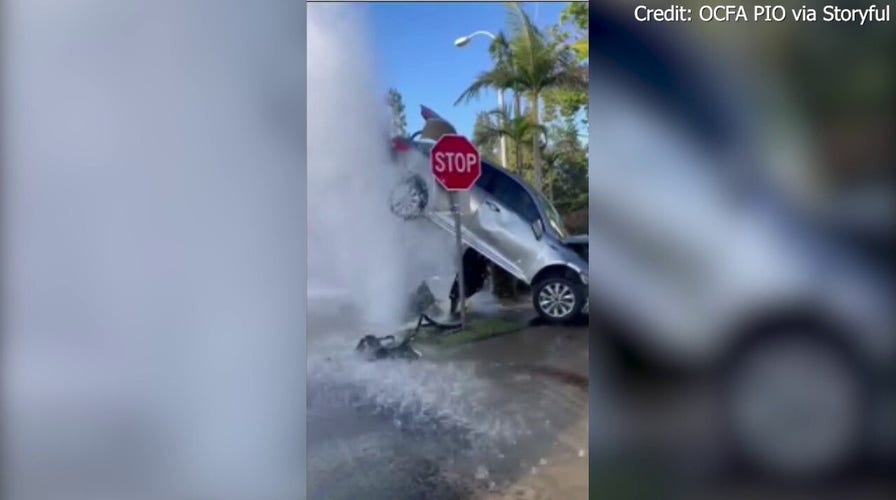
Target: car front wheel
558 299
795 405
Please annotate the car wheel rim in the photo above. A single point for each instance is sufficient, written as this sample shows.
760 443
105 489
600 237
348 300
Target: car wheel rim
408 199
557 300
795 408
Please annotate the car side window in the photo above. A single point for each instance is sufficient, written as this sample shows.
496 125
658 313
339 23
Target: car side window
485 181
513 196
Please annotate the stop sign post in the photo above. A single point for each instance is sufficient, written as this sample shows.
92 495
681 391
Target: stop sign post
456 165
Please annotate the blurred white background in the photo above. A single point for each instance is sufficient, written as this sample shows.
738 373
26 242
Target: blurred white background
153 249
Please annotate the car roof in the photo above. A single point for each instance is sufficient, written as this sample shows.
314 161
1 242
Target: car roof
528 187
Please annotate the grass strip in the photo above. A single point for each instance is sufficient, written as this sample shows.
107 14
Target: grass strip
476 330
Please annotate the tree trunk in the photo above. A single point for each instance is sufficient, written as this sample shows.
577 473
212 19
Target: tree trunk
536 145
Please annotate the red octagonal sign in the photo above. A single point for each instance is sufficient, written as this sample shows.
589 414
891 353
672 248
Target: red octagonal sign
455 162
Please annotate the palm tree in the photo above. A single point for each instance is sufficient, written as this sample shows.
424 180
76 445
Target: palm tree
527 63
501 52
551 160
539 65
502 76
518 129
483 137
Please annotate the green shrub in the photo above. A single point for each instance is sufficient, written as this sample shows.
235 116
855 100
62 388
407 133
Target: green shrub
577 221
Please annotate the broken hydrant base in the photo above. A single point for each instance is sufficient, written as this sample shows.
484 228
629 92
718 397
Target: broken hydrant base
423 306
374 348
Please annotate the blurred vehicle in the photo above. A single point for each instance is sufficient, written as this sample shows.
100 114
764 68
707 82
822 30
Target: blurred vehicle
707 265
504 219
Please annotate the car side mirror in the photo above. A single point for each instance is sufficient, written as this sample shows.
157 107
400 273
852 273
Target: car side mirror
538 229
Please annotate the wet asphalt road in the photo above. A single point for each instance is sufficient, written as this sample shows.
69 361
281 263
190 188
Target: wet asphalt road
501 418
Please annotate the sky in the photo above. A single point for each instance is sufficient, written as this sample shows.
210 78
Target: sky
414 45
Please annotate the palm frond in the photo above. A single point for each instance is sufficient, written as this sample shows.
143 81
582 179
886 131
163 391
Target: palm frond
499 49
499 77
528 43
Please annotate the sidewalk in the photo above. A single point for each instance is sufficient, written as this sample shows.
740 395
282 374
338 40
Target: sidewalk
559 355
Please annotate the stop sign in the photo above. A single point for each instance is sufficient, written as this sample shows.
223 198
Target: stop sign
455 162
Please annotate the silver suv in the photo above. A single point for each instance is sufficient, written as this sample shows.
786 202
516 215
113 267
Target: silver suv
504 219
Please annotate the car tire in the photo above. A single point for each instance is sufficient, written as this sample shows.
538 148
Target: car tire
409 198
558 298
795 406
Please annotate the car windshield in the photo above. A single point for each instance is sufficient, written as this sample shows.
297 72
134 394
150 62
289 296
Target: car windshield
554 218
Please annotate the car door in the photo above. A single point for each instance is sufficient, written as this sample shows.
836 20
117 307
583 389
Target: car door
503 218
477 224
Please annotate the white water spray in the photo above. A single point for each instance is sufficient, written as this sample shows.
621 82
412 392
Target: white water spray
355 244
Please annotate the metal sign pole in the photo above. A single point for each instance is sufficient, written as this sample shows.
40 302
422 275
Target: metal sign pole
455 208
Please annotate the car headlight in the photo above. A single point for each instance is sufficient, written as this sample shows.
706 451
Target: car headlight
584 277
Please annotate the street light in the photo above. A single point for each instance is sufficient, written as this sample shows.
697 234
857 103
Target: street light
460 42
